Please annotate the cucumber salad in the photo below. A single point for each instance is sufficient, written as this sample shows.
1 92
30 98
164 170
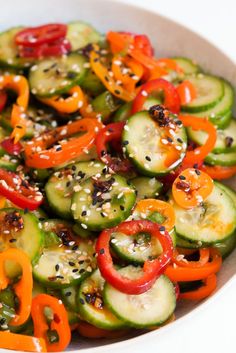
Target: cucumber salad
112 206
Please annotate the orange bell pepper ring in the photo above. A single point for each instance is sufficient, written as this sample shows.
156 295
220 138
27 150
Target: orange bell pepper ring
208 287
180 260
127 71
149 206
191 187
40 154
184 274
19 342
199 153
19 84
105 76
187 92
59 323
23 288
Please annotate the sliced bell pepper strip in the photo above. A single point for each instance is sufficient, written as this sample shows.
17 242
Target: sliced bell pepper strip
3 100
180 260
19 191
191 187
34 36
128 77
59 323
204 291
23 288
151 269
59 47
218 172
171 97
18 342
103 74
87 330
199 153
185 274
40 154
111 133
10 147
187 92
18 118
164 208
142 42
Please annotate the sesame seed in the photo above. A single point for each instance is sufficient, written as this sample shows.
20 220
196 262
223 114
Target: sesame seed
84 226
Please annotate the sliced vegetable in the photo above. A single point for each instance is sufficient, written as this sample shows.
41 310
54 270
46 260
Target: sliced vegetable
208 287
19 342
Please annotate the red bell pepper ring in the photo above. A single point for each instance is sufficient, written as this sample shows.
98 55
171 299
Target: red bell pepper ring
3 100
10 147
151 269
60 47
34 36
111 133
142 42
19 191
59 323
171 97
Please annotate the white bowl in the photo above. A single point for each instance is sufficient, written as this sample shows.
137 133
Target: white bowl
169 39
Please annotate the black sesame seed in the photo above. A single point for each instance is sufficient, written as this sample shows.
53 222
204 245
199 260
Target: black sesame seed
148 158
179 140
71 263
182 177
68 184
81 300
68 294
12 240
84 213
75 270
169 139
103 152
162 228
59 277
75 247
101 251
81 262
2 321
57 267
195 166
117 91
82 270
73 167
197 171
122 207
179 122
124 143
102 214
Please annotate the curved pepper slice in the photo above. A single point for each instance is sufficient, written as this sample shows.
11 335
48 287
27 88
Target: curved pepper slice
191 188
111 133
199 153
187 92
17 342
180 260
171 97
103 74
185 274
40 152
59 323
164 208
208 287
23 288
19 84
218 172
19 191
151 269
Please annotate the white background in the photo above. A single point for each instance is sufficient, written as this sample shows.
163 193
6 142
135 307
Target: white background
213 329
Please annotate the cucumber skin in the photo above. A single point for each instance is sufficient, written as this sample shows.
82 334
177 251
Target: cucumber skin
213 159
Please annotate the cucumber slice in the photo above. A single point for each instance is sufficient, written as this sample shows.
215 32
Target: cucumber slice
67 265
142 138
188 66
38 121
137 249
69 296
91 304
124 112
105 104
18 229
223 159
92 84
221 113
226 139
9 52
55 76
211 222
147 187
210 90
64 182
103 202
153 307
83 233
81 34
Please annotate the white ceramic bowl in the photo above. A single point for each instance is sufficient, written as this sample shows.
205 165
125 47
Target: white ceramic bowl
168 38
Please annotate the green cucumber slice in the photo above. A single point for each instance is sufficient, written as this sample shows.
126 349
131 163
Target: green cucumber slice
211 222
54 76
142 138
147 187
226 139
224 159
91 305
103 202
20 230
92 84
69 296
9 52
64 182
210 91
188 66
105 104
81 34
151 308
